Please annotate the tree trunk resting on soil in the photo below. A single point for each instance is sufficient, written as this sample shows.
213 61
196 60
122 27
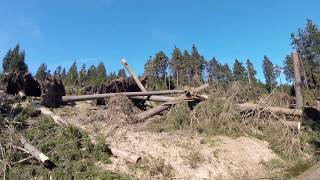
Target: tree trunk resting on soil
158 109
276 110
126 155
136 79
293 124
46 111
37 154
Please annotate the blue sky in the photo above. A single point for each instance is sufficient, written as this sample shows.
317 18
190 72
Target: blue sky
89 31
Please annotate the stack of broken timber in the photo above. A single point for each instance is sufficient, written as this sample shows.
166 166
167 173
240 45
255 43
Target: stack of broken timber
245 107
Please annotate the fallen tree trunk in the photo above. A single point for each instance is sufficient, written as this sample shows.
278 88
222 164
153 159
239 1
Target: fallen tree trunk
158 109
67 99
46 111
293 124
276 110
37 154
126 155
155 98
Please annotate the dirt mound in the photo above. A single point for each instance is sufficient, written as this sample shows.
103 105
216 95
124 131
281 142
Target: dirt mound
167 155
120 110
171 155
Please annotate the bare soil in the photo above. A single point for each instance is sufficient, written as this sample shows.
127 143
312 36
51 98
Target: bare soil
177 155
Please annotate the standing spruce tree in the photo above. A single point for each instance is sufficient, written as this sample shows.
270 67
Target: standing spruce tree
239 72
288 68
161 64
112 76
212 70
83 75
72 77
269 73
177 64
251 72
101 73
63 74
224 75
58 72
160 67
14 60
197 64
122 73
42 72
186 75
307 43
92 75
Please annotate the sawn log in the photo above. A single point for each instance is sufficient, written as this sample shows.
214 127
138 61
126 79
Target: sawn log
36 153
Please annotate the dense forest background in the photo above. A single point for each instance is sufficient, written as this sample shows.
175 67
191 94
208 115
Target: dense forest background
190 68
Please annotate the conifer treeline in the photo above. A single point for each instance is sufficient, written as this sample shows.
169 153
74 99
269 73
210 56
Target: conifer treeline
81 77
190 68
186 68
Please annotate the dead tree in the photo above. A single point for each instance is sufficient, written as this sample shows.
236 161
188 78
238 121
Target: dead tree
297 81
67 99
276 110
136 79
36 153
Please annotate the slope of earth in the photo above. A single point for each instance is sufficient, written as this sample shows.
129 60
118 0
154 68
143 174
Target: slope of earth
170 155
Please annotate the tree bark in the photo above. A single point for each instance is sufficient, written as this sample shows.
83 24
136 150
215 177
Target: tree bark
297 80
136 79
154 98
67 99
158 109
293 124
177 79
37 154
126 155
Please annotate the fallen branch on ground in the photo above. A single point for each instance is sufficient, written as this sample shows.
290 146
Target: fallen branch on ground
36 153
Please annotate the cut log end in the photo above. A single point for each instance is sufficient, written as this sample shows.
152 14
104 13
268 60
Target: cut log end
126 155
293 125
